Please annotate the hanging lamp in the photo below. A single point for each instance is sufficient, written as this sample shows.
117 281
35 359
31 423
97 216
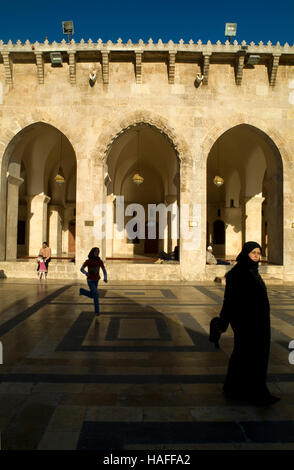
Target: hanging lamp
137 178
59 178
218 180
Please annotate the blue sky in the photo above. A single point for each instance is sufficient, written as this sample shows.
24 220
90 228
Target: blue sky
257 20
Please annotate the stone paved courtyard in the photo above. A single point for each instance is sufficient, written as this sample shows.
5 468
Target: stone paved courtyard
142 376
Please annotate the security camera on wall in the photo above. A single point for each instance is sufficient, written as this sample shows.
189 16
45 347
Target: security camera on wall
198 80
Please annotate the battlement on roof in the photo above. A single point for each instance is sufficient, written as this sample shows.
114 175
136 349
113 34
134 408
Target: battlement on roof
237 54
149 45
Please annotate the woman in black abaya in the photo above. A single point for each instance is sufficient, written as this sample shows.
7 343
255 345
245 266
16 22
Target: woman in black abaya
246 308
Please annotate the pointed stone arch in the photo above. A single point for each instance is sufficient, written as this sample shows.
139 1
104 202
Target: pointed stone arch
277 159
10 161
121 124
120 134
15 130
272 136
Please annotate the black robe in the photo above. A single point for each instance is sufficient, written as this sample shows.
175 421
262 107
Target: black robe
246 308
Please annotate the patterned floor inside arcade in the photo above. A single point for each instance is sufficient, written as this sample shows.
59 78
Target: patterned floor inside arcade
141 376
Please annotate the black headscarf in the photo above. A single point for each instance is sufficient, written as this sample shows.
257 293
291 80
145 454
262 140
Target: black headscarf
245 267
243 259
244 263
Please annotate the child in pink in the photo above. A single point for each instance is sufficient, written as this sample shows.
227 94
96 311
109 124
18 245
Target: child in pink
42 270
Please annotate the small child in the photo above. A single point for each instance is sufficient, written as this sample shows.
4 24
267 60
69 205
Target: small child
41 267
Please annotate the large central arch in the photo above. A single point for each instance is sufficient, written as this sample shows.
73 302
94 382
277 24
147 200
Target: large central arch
123 125
160 167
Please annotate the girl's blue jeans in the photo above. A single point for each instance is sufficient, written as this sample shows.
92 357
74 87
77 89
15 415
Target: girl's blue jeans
92 293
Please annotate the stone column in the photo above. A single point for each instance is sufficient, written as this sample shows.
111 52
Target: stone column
90 193
110 201
55 229
288 203
13 184
192 213
68 216
274 201
233 220
166 237
37 217
99 198
172 223
253 218
65 229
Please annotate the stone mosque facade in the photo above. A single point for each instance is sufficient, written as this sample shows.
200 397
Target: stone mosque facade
177 113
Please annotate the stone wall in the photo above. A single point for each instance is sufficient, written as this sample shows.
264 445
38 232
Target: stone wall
191 117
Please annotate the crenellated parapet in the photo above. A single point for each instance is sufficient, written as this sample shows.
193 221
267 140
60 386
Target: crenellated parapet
270 56
181 46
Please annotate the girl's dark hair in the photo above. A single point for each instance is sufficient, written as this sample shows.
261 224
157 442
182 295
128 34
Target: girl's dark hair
45 243
92 254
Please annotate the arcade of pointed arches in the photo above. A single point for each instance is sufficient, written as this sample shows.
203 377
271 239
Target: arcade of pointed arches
248 206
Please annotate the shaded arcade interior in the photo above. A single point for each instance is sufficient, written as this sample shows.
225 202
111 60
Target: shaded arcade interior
249 205
145 150
37 207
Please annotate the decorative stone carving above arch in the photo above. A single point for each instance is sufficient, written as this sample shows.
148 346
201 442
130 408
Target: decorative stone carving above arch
120 125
